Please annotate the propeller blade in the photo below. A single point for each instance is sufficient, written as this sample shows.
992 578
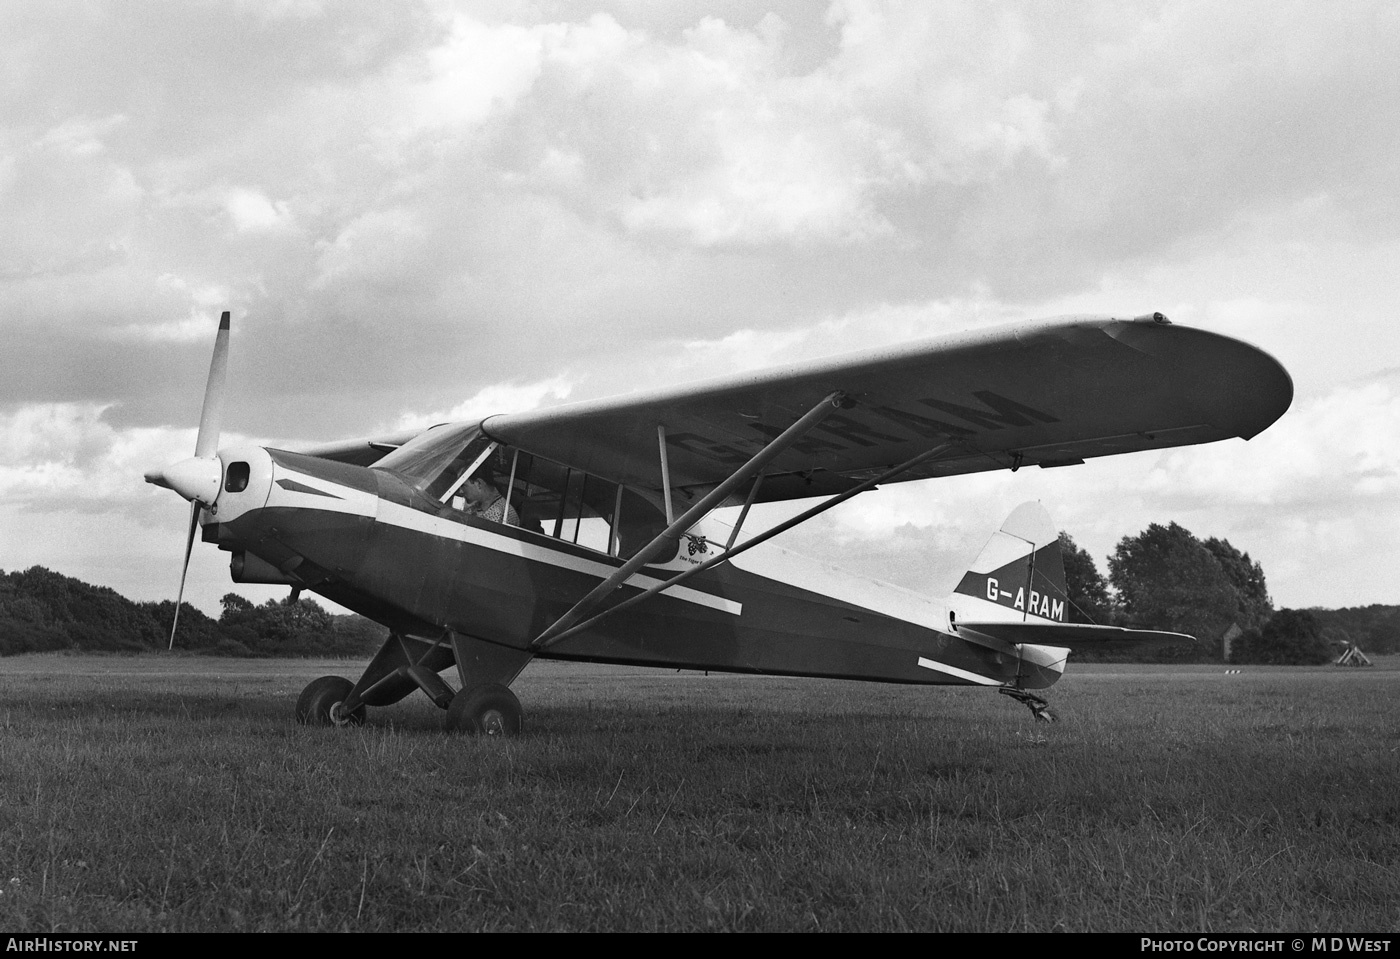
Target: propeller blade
197 478
210 418
184 570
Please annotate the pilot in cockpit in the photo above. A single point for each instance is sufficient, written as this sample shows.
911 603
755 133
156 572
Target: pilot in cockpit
485 501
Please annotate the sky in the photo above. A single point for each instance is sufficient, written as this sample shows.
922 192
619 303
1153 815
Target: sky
425 210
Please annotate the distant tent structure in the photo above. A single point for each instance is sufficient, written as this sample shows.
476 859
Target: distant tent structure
1351 653
1353 656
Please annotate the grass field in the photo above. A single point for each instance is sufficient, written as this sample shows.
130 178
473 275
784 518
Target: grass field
170 793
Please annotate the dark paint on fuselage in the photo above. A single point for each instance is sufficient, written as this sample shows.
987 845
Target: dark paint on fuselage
421 582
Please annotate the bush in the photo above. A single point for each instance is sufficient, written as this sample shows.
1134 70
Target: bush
1291 637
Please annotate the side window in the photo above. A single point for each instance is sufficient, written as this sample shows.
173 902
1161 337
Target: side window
585 512
570 505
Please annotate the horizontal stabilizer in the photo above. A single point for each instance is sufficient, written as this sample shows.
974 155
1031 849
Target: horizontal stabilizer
1076 637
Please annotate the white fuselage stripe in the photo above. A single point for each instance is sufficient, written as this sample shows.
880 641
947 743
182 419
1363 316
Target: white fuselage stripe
407 518
959 673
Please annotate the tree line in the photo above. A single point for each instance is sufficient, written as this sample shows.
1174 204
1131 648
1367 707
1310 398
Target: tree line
1163 578
44 611
1166 578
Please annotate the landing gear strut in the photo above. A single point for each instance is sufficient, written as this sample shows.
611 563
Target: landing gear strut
1038 706
484 707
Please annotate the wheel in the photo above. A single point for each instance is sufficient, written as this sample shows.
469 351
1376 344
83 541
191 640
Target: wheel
319 703
490 710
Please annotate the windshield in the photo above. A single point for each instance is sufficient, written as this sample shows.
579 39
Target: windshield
434 459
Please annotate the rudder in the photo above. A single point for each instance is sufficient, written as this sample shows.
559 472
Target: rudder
1019 575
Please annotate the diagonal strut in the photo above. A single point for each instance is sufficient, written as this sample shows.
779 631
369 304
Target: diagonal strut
762 458
732 551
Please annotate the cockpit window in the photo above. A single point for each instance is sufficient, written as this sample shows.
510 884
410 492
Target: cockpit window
542 496
434 460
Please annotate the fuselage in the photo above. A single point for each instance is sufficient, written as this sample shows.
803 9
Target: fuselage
369 539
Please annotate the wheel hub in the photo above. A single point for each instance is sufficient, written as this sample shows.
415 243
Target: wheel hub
493 723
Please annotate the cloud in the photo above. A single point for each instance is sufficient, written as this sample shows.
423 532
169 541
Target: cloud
1308 498
497 398
98 193
250 210
380 248
1331 455
68 457
477 71
854 331
405 205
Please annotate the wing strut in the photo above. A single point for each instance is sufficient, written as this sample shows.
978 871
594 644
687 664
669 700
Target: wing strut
743 513
731 551
665 473
762 458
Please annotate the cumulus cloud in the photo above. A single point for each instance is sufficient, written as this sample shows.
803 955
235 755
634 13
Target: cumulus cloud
1304 498
407 205
476 71
497 398
99 194
67 457
1330 456
250 210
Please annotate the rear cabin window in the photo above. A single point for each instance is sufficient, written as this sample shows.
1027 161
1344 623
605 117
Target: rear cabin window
567 504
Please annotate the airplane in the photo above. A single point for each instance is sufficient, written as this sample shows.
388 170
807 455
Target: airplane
588 531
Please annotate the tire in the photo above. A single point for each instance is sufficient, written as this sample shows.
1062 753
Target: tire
316 705
489 710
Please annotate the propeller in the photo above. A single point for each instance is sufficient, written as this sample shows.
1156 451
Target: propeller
197 478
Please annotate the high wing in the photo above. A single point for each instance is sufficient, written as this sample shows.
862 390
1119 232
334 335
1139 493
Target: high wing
1048 393
360 452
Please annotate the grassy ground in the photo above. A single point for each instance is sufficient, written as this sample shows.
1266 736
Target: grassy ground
158 793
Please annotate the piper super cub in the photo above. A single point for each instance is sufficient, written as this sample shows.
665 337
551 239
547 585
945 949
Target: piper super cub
584 531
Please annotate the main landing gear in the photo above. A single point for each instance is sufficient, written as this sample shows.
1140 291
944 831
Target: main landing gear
490 710
322 703
1039 707
485 706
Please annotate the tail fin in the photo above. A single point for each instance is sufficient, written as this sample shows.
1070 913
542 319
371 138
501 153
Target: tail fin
1019 575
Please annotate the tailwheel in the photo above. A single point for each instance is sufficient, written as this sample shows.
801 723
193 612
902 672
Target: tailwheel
1039 707
489 710
322 703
